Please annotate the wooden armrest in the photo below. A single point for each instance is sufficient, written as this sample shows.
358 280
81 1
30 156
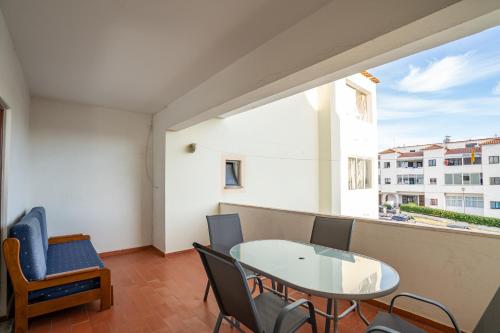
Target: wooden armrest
68 238
72 272
67 277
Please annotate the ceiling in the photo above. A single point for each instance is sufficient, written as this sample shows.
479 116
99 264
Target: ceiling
138 55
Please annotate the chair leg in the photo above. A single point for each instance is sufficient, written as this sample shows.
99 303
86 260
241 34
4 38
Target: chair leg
218 323
106 291
314 325
207 289
21 315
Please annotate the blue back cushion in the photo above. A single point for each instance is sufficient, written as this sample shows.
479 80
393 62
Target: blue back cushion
31 255
39 213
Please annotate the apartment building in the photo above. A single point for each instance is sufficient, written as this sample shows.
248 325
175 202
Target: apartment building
461 176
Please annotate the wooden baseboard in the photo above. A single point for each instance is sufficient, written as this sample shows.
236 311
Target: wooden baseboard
173 254
411 316
124 251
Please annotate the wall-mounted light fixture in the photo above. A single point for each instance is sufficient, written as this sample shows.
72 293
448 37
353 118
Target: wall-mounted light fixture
191 148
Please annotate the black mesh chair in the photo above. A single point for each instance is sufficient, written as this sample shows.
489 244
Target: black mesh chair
390 323
224 232
333 232
490 320
266 313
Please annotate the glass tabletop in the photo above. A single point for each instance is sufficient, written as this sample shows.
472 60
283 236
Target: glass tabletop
318 270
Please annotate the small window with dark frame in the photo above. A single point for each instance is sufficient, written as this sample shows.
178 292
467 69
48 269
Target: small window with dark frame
432 162
233 174
494 159
494 180
495 204
387 165
434 202
433 181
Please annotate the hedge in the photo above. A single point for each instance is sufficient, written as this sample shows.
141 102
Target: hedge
474 219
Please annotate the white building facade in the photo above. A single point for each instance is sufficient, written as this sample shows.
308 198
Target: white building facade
315 151
460 176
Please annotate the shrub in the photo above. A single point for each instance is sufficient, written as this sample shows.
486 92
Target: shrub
474 219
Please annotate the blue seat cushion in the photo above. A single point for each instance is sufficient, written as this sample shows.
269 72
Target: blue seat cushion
39 213
65 257
69 256
31 256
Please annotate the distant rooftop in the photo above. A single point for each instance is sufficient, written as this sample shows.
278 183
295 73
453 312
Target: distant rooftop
432 146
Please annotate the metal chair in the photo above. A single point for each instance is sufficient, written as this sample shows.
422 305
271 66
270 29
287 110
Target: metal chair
390 323
490 320
266 313
334 232
224 232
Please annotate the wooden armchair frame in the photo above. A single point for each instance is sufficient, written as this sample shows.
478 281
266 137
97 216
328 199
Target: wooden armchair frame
24 310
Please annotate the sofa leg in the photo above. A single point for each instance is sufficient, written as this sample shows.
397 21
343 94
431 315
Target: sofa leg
21 314
106 291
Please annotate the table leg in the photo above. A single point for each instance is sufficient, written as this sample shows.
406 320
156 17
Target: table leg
360 314
335 316
329 313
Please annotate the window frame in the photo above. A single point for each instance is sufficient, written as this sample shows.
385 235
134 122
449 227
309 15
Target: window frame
432 162
368 170
238 168
494 159
494 204
494 181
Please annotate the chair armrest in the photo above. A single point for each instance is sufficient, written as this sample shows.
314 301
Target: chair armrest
428 301
66 277
72 272
287 309
381 329
258 280
68 238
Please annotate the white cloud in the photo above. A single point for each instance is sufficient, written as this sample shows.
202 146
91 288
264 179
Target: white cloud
403 107
496 89
450 71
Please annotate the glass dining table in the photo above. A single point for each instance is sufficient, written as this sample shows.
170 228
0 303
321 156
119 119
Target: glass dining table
320 271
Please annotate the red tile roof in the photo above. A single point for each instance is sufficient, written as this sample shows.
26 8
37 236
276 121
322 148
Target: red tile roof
411 154
388 151
433 147
370 76
462 151
495 141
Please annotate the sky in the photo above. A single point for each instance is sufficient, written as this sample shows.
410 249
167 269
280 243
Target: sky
453 89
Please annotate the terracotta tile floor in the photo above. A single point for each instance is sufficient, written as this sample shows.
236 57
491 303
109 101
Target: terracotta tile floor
156 294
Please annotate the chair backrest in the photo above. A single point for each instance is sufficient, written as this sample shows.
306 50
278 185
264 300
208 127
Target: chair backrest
490 320
224 232
230 288
31 257
334 232
39 213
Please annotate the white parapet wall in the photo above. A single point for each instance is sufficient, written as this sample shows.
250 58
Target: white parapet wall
458 268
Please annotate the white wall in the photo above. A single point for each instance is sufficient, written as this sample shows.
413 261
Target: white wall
457 268
353 137
89 171
16 187
279 147
491 192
